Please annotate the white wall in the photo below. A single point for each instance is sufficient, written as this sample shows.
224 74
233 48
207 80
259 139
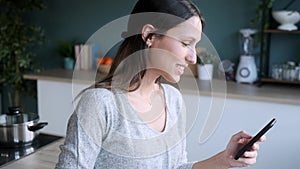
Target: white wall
281 149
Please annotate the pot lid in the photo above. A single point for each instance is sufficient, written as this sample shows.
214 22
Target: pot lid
16 116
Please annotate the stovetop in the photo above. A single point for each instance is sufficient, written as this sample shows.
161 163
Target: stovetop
8 155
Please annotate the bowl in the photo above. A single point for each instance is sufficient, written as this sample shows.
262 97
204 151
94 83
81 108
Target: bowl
286 19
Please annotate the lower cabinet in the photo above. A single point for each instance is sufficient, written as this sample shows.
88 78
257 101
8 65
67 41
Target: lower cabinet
281 147
211 123
56 103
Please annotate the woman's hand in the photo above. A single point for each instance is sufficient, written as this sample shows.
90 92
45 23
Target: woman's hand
225 159
235 144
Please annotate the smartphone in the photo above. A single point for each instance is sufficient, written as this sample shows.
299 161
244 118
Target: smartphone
254 139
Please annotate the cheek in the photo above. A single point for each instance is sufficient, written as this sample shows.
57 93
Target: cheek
178 52
161 59
175 50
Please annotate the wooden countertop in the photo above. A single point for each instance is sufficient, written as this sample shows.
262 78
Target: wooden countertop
44 158
62 75
285 94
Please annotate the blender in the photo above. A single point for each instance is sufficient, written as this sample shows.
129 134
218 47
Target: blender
246 71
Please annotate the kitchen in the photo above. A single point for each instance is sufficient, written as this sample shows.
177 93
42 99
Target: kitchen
68 20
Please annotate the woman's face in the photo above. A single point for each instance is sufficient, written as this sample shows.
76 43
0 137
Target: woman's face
170 54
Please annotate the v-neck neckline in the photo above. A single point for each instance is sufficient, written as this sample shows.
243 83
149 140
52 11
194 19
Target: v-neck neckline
134 116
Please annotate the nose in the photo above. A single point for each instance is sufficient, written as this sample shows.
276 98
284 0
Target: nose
191 57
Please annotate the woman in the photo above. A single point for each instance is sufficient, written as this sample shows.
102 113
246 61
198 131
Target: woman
132 120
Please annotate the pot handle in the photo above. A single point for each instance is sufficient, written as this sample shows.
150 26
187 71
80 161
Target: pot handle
37 126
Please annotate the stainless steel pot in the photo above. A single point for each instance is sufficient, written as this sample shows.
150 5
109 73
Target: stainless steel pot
17 128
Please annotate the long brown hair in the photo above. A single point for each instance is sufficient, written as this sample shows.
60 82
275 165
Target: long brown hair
132 72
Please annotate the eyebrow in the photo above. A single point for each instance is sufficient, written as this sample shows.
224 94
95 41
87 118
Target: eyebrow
189 38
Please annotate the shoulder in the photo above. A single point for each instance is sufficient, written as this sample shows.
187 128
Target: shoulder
170 90
172 94
96 95
96 99
95 108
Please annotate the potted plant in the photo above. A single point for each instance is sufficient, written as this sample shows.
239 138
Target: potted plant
205 65
17 39
67 50
263 11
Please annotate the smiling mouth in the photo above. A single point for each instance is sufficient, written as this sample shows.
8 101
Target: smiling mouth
180 68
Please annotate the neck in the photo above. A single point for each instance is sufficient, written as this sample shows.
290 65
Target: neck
148 101
148 85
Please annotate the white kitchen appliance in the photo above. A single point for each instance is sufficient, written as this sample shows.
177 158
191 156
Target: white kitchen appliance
246 71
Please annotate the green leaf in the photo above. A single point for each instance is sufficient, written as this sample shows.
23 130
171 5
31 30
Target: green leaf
17 37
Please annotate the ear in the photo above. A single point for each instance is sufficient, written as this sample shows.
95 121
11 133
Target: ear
147 29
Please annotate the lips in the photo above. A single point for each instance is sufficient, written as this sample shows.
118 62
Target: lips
180 68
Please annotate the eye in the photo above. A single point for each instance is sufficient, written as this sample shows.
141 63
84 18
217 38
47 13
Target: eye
185 43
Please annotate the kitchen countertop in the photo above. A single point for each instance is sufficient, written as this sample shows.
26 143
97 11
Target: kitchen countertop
285 94
44 158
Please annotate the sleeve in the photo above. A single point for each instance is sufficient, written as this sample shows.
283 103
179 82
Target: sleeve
183 162
85 131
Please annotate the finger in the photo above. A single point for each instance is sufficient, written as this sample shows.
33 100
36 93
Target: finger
250 154
262 138
240 135
249 158
255 146
243 162
247 161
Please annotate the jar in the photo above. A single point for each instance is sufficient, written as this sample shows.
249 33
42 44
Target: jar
286 72
298 73
277 72
292 69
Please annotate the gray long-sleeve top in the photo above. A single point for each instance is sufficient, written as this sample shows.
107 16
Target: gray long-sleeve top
105 132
